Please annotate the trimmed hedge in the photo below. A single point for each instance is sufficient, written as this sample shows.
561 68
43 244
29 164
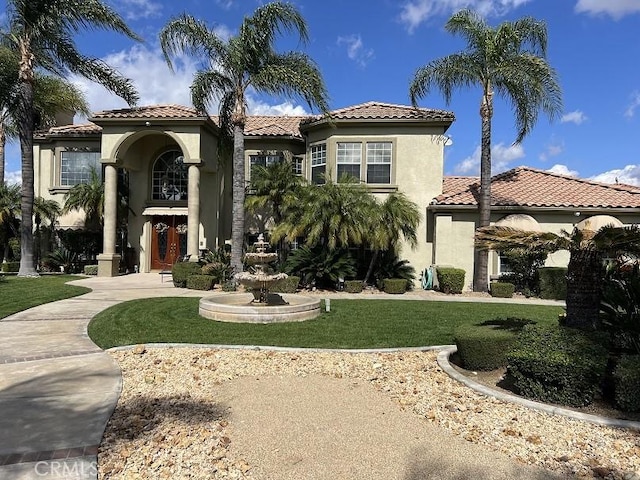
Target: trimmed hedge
90 270
553 283
451 280
502 289
288 285
394 285
626 378
200 282
10 267
484 346
182 270
557 364
353 286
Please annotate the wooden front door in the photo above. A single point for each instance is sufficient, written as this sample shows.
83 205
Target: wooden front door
168 240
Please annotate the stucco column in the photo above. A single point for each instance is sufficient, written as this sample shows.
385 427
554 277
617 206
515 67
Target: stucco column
193 219
109 261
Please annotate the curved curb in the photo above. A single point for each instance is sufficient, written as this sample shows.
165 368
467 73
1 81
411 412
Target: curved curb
443 362
281 349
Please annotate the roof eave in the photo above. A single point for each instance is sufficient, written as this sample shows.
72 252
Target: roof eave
502 208
444 122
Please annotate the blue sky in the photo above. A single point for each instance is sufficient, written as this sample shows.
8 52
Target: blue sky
370 50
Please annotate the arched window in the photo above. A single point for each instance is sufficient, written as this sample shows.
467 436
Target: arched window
169 177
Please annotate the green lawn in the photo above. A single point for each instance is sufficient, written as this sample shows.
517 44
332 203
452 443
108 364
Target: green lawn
350 324
17 294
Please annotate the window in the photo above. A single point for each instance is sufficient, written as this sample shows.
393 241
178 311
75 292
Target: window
264 160
170 177
318 163
504 266
76 167
348 159
297 165
379 162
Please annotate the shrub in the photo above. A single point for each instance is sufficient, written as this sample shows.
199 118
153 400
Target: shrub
523 265
557 364
502 289
229 286
484 346
61 258
91 269
553 283
199 282
218 265
182 270
394 285
620 307
10 267
320 266
627 383
390 266
288 285
451 280
353 286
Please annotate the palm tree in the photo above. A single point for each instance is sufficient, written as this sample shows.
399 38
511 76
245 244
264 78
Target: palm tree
9 211
246 61
397 216
42 31
277 189
509 60
88 197
585 271
335 214
48 210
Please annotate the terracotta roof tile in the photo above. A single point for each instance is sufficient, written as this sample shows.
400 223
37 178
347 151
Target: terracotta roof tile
530 187
151 111
260 125
75 129
383 111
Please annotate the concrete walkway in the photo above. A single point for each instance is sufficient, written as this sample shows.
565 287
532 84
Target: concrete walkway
58 389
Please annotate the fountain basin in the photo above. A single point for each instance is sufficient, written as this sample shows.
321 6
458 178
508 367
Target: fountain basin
239 308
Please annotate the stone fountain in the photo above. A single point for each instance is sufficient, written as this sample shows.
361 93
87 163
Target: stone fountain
259 306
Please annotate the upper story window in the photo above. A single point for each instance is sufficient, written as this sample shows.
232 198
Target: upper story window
76 167
169 177
348 158
297 165
264 160
379 162
318 163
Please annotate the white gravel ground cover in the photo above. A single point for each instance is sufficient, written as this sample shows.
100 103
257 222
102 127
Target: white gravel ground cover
167 423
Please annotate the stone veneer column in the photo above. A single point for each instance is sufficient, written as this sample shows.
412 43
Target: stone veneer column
109 261
193 219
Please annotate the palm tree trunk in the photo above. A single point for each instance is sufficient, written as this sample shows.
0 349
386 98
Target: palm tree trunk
481 257
237 209
3 142
374 259
584 289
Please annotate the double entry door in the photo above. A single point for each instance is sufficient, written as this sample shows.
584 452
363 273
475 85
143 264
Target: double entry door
168 240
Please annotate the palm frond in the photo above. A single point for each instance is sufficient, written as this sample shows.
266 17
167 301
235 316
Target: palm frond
503 238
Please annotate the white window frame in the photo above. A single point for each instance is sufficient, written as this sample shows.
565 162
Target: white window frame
71 175
318 161
349 154
376 156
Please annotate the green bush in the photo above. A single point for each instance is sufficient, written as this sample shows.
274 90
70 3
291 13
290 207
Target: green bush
451 280
229 286
523 265
199 282
558 364
484 346
353 286
320 266
553 283
90 269
620 307
182 270
627 383
288 285
394 285
502 289
389 265
10 267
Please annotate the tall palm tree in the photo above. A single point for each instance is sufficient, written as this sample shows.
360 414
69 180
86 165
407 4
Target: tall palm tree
9 211
48 210
42 32
509 60
335 214
585 271
88 197
245 61
396 217
276 189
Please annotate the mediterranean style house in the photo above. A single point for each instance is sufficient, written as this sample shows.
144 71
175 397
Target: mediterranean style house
180 190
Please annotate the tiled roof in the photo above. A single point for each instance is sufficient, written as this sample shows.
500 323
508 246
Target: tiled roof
273 126
383 111
529 187
151 111
75 129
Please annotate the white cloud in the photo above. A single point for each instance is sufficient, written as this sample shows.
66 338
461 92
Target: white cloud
258 107
356 50
225 4
13 177
635 103
148 71
551 150
563 170
501 157
577 117
614 8
415 12
136 9
629 175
